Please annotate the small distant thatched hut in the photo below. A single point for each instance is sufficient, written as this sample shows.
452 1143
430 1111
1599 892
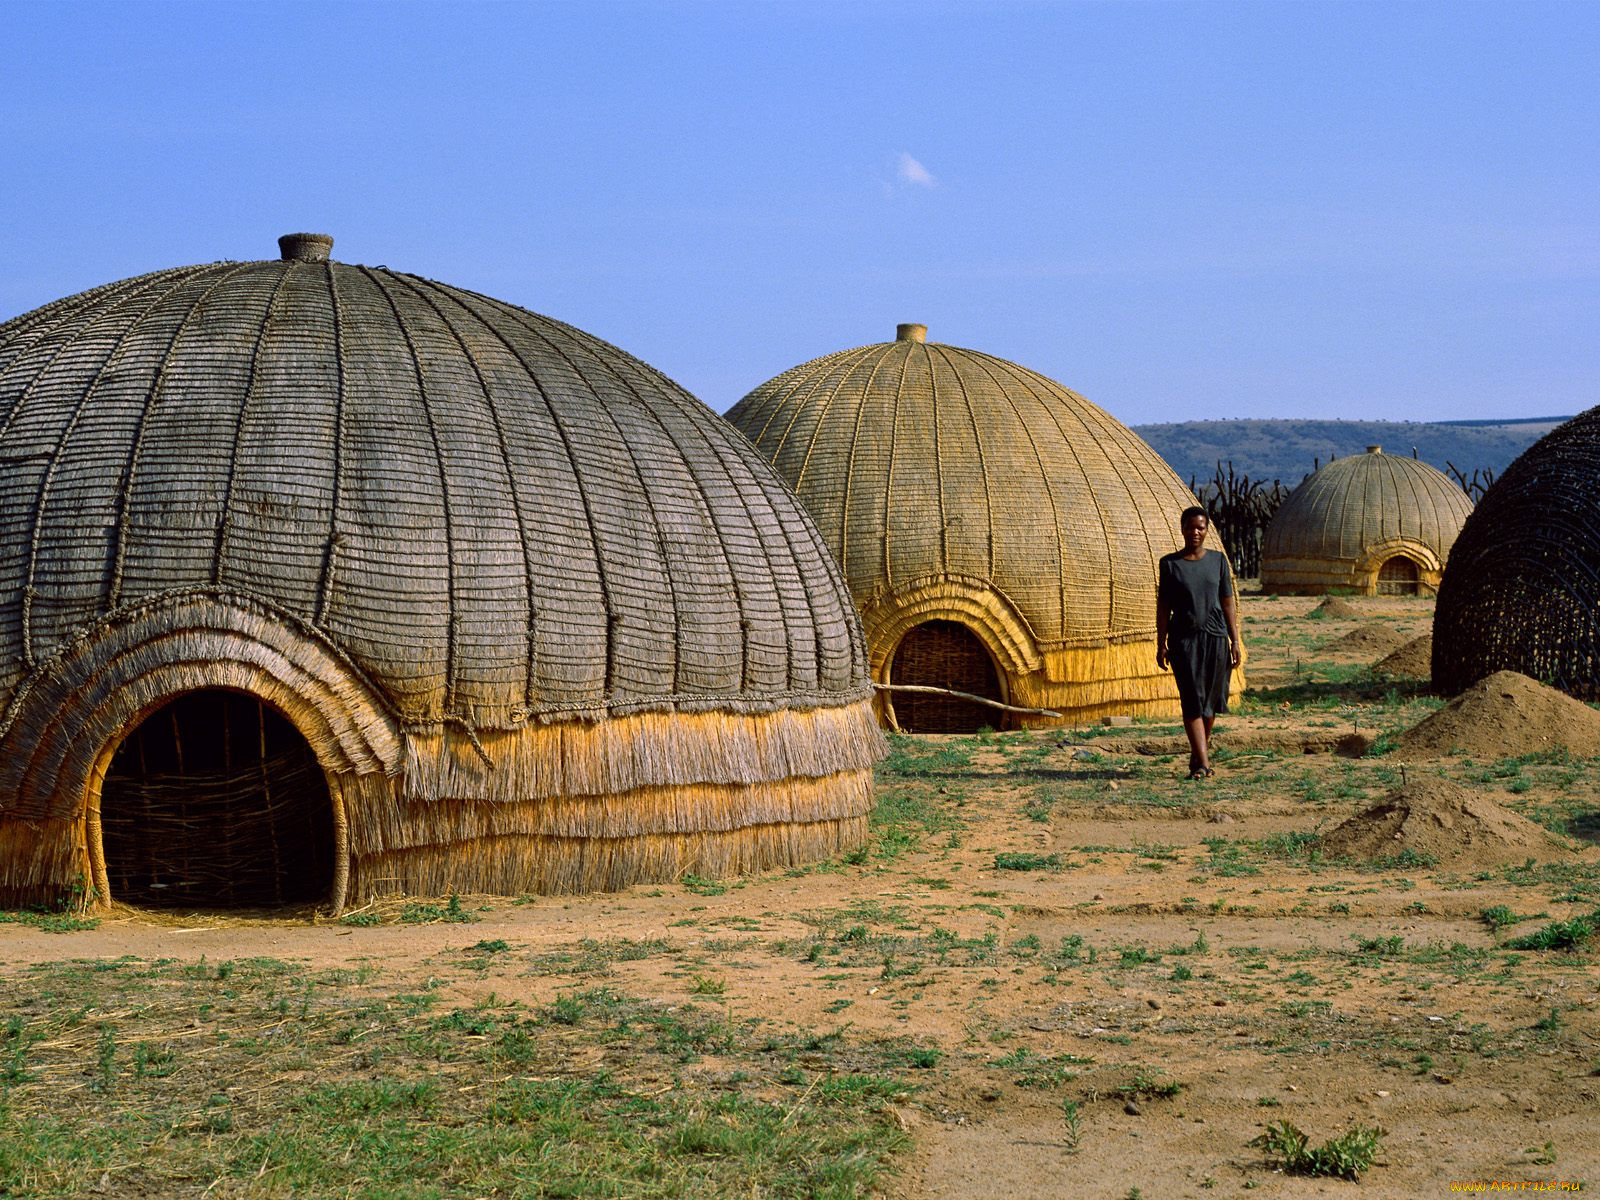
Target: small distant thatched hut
1522 591
1374 524
323 581
999 532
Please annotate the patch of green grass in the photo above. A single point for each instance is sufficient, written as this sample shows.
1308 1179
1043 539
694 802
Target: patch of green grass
1343 1157
451 913
60 921
294 1082
1020 860
1030 1069
1570 934
701 886
912 757
1500 917
1147 1085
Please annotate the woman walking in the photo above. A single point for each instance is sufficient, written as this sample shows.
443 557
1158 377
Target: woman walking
1197 633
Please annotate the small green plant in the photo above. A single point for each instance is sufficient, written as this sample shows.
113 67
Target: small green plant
1544 1155
1551 1023
1383 947
1073 1118
1146 1086
1343 1157
566 1010
105 1061
708 985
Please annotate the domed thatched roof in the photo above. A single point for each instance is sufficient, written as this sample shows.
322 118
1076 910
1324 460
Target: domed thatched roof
432 528
494 514
1344 522
1522 591
949 481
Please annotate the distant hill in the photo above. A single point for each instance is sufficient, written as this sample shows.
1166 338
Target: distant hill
1289 450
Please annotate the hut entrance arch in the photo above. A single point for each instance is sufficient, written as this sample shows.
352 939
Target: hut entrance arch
215 800
944 654
1399 576
61 731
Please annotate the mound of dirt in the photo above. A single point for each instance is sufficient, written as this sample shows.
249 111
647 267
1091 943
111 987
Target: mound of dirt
1366 640
1414 660
1335 608
1503 715
1445 821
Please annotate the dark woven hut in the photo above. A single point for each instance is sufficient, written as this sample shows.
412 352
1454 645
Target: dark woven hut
320 581
999 532
1522 591
1372 524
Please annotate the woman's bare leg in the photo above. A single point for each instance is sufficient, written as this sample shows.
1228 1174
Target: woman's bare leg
1199 733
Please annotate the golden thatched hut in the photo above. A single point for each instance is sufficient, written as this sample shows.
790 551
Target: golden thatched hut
1372 524
319 580
1522 591
1000 533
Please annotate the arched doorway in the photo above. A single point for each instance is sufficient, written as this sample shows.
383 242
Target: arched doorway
216 800
1399 576
944 654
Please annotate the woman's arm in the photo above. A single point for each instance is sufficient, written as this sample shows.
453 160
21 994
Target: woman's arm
1161 627
1230 610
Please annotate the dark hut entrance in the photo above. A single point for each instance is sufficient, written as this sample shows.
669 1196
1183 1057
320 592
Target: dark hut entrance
215 800
1398 576
944 654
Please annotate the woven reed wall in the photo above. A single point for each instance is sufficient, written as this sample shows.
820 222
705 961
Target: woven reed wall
474 554
1338 528
1522 588
944 654
1042 517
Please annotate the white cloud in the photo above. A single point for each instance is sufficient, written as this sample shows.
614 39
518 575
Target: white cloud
911 171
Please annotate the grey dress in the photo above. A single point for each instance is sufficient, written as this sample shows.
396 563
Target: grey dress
1190 592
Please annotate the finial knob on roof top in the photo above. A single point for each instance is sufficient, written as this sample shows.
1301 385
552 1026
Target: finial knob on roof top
305 247
1374 449
910 333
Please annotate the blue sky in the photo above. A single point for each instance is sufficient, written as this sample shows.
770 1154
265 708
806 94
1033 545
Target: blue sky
1182 211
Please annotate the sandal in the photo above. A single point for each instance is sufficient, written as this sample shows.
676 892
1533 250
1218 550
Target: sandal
1202 773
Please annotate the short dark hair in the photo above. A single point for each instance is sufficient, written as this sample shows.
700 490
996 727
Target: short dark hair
1190 513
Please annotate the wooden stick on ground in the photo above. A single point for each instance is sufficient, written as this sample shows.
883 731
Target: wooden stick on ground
937 691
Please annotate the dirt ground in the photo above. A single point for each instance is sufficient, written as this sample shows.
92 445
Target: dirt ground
1125 975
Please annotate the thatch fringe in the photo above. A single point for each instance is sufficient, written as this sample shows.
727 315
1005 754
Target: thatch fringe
380 824
641 751
551 865
42 862
98 687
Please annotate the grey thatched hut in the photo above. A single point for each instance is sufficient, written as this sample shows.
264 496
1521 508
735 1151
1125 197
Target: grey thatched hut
1522 591
319 580
1372 524
999 532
